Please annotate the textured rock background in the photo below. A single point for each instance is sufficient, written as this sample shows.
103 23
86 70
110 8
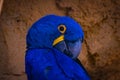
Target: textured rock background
1 2
100 20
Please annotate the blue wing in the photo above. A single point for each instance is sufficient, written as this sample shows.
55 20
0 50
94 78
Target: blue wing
43 64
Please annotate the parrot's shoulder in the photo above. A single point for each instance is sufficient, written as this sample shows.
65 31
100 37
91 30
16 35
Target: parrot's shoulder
43 55
36 52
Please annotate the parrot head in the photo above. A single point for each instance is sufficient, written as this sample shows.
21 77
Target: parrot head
60 32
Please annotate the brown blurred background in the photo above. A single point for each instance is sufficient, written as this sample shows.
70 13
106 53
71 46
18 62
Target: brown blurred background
100 20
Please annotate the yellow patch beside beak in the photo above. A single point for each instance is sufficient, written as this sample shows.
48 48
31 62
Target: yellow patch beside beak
59 39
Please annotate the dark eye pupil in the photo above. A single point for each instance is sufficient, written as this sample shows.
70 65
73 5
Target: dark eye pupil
61 28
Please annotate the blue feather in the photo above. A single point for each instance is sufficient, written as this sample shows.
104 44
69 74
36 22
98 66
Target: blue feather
51 64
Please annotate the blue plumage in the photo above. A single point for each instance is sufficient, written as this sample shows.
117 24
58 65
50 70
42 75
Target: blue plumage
44 31
43 61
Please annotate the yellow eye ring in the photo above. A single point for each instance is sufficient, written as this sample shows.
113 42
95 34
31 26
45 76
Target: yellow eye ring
62 28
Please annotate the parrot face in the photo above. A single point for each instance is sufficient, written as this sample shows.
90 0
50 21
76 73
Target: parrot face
60 32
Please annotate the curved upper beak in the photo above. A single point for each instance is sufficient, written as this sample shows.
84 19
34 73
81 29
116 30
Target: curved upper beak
70 48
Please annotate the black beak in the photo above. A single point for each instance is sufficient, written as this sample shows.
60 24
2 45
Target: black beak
70 48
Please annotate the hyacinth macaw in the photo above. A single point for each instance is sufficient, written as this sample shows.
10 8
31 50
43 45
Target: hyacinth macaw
53 45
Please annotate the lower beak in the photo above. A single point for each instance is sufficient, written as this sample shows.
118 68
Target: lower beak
70 48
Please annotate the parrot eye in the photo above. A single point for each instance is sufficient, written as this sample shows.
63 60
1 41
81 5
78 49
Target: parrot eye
62 28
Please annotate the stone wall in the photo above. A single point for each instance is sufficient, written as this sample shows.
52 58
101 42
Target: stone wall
1 3
100 20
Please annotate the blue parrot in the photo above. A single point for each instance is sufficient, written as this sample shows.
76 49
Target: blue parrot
53 45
